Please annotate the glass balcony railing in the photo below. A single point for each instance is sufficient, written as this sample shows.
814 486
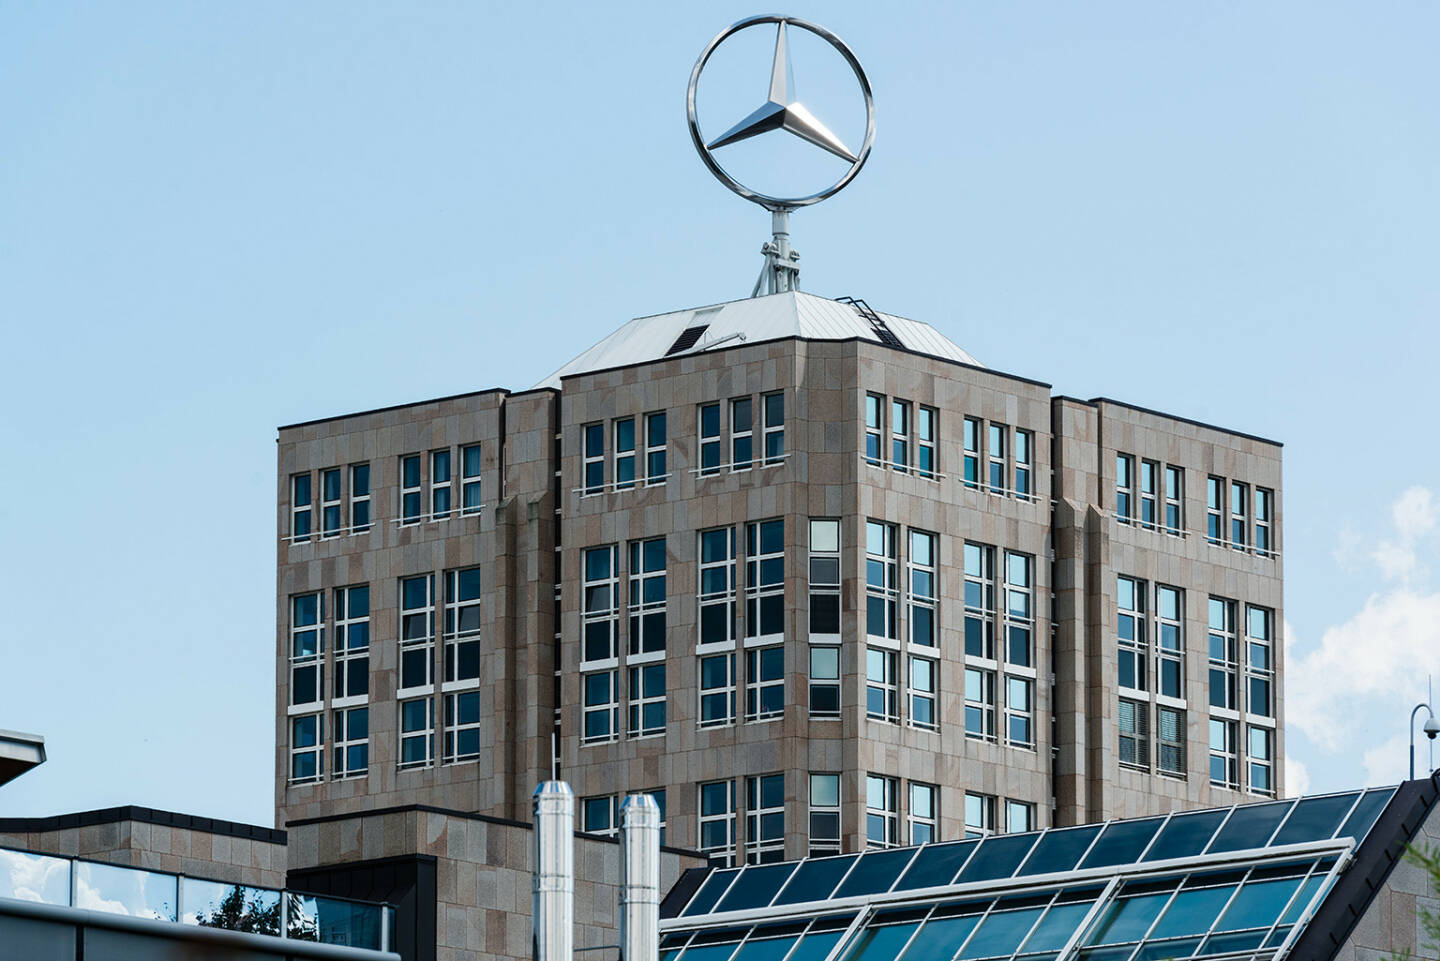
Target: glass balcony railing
138 893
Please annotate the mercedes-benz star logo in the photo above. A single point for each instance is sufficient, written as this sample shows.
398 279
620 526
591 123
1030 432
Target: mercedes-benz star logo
780 112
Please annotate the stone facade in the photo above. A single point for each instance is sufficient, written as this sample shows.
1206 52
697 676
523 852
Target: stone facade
1392 922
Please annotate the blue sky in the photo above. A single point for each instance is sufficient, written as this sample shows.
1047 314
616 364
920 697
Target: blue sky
218 218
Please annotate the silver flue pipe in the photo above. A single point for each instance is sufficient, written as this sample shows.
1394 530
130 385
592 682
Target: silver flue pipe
552 861
639 879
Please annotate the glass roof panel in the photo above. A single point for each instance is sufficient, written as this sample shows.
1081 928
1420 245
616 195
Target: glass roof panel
1185 835
814 880
1249 827
938 939
1358 824
998 857
1193 911
1000 933
1299 902
1315 819
1058 924
709 952
1122 842
1166 950
881 944
704 900
936 864
755 887
876 871
1258 905
1226 943
1107 954
1127 919
1059 850
765 949
816 947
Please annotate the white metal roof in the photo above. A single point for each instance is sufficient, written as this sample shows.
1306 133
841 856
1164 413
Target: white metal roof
790 314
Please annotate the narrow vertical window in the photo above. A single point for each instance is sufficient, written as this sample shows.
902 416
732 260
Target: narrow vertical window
717 690
1261 760
717 585
1124 488
352 742
880 581
330 509
1264 509
1019 613
1131 642
410 498
1222 754
922 814
1174 487
765 819
352 642
470 491
824 681
656 470
824 814
764 683
1223 656
874 429
1149 481
600 815
647 699
923 672
882 820
765 580
979 815
972 453
900 435
980 704
307 649
594 458
1170 740
1134 719
359 498
824 578
742 434
647 596
1024 448
462 727
300 507
1239 504
923 589
979 601
600 612
440 485
417 631
717 821
1214 506
774 410
1260 665
307 748
1020 711
881 699
998 434
625 453
417 733
1019 817
462 625
709 421
1169 641
602 707
926 429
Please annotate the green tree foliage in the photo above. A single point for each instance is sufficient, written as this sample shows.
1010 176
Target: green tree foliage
242 909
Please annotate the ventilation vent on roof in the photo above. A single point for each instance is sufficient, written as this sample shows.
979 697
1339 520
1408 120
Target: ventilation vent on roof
882 330
688 338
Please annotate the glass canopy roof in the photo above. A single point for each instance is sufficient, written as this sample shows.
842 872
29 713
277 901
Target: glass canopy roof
1236 883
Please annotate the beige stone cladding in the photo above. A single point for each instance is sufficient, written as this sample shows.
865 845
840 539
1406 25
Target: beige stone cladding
1392 925
483 879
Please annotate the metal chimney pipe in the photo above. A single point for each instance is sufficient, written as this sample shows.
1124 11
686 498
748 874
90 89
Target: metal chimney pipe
552 861
639 879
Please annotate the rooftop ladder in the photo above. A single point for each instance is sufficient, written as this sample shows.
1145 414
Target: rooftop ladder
883 333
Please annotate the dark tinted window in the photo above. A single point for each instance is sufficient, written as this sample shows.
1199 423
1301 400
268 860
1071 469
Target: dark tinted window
1122 843
998 857
1059 850
935 865
755 888
814 880
1185 835
1315 819
1250 827
710 892
875 872
1358 824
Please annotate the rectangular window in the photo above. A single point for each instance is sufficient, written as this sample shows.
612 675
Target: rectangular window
880 581
1224 664
1124 487
1264 510
656 469
882 819
647 700
774 410
979 704
1261 755
352 742
417 631
742 434
1174 489
922 815
874 429
1020 711
1134 720
1170 740
1149 482
1019 613
602 707
717 690
824 814
979 815
717 586
972 453
600 615
471 499
1239 503
417 733
647 596
462 625
1019 817
900 435
923 589
1259 660
709 424
717 821
307 748
1214 506
624 471
1170 641
979 601
764 683
440 485
594 458
410 497
1024 445
352 642
923 674
307 649
1222 754
926 431
600 815
359 498
765 580
659 795
300 507
765 819
881 698
462 727
998 435
824 578
1131 642
824 681
330 507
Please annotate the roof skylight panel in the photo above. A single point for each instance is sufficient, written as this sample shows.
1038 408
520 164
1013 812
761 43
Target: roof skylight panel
1059 850
998 857
1185 835
1362 819
1315 819
1250 826
1122 842
814 879
709 894
756 887
875 873
936 865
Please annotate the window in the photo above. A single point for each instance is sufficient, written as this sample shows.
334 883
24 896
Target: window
600 815
926 420
881 817
979 704
594 458
1264 509
880 581
979 815
352 742
602 707
1149 479
1222 753
765 579
922 815
1020 711
307 748
352 643
1259 660
979 601
330 510
742 434
1169 641
1174 487
824 814
462 727
717 821
439 485
717 690
874 429
417 631
300 507
625 453
1019 816
600 614
900 435
470 490
824 578
709 420
1130 633
656 470
307 649
765 819
717 586
1134 720
1124 487
410 489
1214 522
824 681
972 453
1170 740
462 625
647 596
1261 740
1019 617
774 405
998 433
1223 656
1024 444
1239 498
659 795
923 589
764 683
647 700
880 690
417 732
359 498
923 672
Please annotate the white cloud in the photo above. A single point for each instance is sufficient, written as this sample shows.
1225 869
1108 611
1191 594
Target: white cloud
1414 515
1389 762
1297 778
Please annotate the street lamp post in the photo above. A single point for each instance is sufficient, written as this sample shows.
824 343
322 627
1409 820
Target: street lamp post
1432 728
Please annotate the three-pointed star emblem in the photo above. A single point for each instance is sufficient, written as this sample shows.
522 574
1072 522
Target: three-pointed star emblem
779 112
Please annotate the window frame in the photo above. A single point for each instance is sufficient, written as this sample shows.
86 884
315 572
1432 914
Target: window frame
774 431
314 750
456 726
592 459
643 608
726 598
760 683
472 482
885 591
885 815
764 590
307 660
425 735
623 464
882 683
722 853
442 484
709 439
922 700
412 506
360 498
820 845
710 694
974 430
657 470
763 844
411 645
918 823
607 708
458 642
346 744
927 434
742 433
331 507
594 589
642 700
347 654
302 515
997 438
1124 487
917 572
